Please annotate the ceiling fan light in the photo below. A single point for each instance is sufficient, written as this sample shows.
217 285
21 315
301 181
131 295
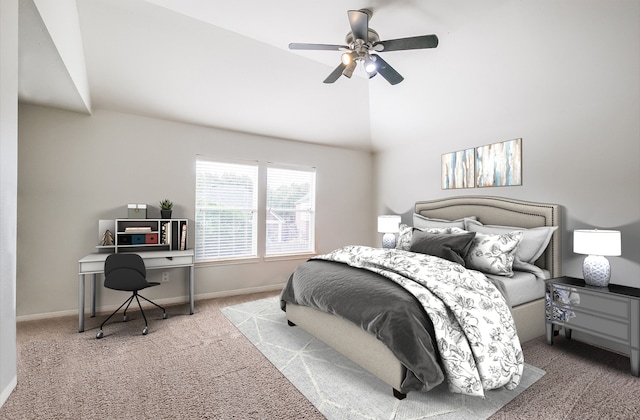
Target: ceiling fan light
370 65
346 59
348 71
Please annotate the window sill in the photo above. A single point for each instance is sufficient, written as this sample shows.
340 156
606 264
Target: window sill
289 257
253 260
229 261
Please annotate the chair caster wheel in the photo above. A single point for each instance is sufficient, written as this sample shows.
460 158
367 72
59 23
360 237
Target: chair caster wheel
145 331
165 316
125 318
99 335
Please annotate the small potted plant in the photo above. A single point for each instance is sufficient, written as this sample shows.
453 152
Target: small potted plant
165 208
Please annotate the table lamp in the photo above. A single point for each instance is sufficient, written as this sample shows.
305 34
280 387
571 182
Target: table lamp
596 244
389 225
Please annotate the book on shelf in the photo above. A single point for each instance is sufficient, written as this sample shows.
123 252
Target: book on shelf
138 229
165 233
183 238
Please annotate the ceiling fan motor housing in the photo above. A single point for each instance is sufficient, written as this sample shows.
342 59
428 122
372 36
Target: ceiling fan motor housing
371 34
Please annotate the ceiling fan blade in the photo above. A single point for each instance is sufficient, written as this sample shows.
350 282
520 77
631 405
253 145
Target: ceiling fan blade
328 47
359 22
335 74
387 71
411 43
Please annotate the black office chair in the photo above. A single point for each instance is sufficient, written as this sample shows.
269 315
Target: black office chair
127 272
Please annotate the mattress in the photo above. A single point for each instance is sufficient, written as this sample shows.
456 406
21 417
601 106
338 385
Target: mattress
522 287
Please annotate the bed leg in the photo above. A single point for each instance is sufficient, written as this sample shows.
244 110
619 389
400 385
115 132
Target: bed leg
399 395
291 324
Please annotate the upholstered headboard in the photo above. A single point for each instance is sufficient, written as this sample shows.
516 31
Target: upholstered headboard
506 212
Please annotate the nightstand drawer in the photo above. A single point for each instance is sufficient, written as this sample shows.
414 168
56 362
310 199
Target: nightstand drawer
604 304
599 326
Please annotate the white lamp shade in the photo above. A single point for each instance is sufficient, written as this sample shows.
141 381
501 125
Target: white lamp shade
597 242
388 224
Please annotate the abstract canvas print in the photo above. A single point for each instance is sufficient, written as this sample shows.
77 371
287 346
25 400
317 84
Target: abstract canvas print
457 169
499 164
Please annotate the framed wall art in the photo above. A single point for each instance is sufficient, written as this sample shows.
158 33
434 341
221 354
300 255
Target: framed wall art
499 164
458 169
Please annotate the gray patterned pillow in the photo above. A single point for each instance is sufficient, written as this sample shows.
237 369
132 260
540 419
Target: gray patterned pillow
493 254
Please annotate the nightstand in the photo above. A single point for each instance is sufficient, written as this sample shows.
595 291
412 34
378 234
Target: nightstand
611 313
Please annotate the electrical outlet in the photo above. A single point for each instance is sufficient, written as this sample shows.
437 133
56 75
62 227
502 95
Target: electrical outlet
165 276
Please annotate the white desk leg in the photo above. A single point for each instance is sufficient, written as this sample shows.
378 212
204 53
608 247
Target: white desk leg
191 298
92 290
81 303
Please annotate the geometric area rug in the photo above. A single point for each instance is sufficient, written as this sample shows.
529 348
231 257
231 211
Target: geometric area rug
339 388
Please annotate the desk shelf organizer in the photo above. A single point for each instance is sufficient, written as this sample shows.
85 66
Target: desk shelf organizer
139 235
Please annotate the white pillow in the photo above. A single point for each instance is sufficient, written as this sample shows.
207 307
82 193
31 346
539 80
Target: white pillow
422 222
493 254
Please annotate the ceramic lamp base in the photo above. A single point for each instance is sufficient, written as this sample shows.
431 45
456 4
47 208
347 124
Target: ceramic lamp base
388 240
596 271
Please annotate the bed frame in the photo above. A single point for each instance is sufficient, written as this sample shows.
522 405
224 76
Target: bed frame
367 351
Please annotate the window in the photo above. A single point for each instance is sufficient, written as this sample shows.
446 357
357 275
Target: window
246 209
290 211
226 210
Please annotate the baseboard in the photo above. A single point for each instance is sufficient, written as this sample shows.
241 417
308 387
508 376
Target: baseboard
166 301
4 395
237 292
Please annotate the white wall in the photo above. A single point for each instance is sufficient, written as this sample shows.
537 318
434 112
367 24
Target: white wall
8 193
564 77
75 169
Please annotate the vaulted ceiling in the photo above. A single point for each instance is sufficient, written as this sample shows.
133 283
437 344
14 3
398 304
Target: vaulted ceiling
227 64
217 63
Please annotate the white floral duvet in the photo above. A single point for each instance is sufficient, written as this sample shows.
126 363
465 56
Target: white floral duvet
475 332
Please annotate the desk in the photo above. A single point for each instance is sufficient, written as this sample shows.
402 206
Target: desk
93 264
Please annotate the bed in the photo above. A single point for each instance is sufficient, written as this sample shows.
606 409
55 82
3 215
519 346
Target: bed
369 351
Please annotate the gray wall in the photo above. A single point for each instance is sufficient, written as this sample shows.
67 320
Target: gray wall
564 77
76 169
8 193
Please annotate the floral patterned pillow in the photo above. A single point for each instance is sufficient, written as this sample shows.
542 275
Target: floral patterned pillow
493 254
406 234
404 237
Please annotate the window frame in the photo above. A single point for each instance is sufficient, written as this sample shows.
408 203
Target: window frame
312 211
260 214
253 255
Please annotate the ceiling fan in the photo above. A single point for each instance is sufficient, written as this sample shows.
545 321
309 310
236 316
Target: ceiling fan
362 45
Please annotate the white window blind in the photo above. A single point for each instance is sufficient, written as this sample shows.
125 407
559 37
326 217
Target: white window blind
290 211
226 210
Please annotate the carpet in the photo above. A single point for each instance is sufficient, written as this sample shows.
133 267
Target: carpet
340 389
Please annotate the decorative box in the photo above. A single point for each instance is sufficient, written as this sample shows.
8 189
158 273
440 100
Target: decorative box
137 211
138 239
124 239
151 238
